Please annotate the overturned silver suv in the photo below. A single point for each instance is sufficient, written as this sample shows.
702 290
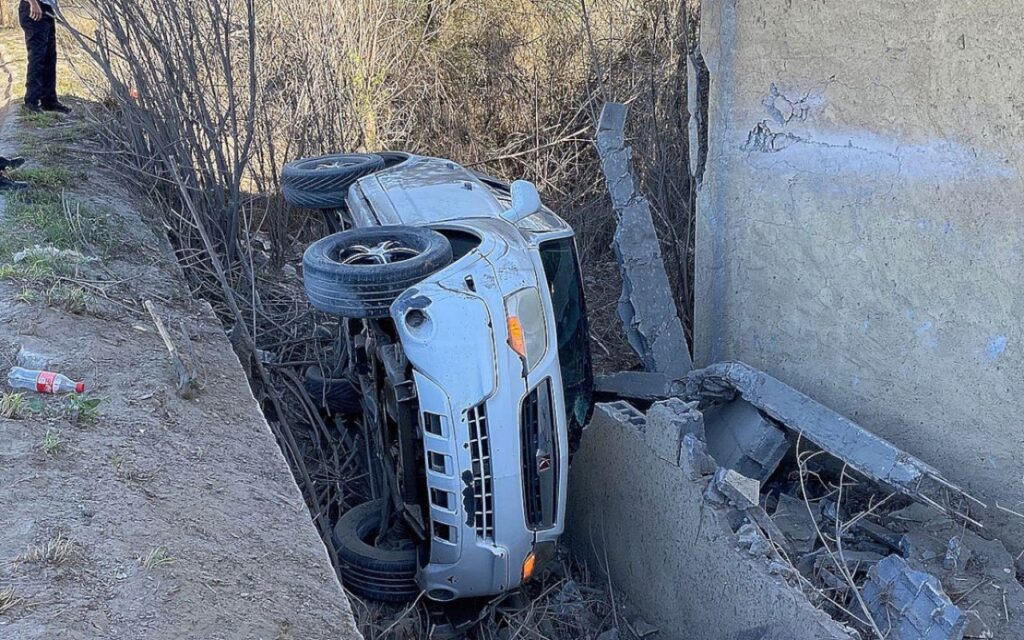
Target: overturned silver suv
466 337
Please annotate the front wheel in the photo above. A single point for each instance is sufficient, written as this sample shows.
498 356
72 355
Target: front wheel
385 572
358 273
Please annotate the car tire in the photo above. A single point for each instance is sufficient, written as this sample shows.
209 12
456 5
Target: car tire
393 158
336 395
345 277
322 182
386 575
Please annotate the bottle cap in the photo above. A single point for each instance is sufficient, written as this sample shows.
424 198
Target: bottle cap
79 387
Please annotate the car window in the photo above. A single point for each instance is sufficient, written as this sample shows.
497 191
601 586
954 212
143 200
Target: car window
565 286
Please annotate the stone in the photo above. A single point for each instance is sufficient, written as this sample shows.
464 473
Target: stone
742 491
694 459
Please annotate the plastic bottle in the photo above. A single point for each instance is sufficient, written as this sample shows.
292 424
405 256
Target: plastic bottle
43 381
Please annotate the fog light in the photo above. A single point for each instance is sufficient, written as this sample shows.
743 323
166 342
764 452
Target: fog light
536 560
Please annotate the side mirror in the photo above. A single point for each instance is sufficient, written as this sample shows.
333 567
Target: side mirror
525 201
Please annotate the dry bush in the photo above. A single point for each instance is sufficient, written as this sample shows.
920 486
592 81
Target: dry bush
213 97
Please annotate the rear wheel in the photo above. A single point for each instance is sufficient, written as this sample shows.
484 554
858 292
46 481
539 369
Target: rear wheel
385 572
322 182
359 273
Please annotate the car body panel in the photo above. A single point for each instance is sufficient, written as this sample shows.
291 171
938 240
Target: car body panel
457 343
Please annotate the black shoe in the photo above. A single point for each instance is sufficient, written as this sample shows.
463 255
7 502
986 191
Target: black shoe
6 184
32 108
10 163
56 106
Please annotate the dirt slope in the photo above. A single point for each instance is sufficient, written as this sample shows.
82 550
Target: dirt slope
148 516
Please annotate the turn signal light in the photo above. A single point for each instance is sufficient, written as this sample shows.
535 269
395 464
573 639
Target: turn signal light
529 565
515 336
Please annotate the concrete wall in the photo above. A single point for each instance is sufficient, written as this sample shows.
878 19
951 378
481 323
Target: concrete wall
635 513
861 220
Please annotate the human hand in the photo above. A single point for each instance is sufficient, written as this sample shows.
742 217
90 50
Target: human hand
35 10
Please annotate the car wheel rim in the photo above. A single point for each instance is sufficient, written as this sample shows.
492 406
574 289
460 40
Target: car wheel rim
387 252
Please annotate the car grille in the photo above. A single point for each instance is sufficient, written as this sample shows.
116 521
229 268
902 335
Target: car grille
482 480
539 457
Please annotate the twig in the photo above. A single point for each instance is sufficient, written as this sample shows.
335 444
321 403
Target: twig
184 382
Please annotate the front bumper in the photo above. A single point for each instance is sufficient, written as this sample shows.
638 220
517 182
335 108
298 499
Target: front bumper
470 388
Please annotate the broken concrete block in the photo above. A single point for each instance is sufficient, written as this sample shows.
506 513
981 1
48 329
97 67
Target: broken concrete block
626 413
796 523
911 605
739 437
694 459
865 452
634 385
646 307
750 538
667 422
744 492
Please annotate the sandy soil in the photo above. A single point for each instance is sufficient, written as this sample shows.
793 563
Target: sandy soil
158 517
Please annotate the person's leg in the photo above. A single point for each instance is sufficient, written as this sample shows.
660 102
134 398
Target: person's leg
36 45
49 96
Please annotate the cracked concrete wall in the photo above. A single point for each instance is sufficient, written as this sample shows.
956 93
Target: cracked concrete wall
672 553
860 229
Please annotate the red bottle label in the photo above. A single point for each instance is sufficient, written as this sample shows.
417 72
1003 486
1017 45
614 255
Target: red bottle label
44 383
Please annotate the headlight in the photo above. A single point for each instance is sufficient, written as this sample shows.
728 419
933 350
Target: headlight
527 333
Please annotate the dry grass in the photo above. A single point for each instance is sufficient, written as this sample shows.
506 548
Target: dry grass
8 600
12 406
157 557
60 549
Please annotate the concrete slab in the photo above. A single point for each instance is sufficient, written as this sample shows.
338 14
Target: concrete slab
646 308
672 553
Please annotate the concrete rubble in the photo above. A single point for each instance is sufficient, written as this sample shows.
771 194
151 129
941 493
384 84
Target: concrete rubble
865 452
646 308
911 605
831 516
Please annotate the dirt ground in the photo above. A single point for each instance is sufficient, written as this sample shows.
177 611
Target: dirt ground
141 515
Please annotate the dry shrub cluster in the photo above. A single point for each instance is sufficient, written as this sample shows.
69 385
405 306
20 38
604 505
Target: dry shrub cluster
213 97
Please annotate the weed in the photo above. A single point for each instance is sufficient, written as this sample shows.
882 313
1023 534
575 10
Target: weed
57 550
12 405
41 263
52 443
51 217
8 599
69 297
81 409
40 119
53 178
157 558
26 295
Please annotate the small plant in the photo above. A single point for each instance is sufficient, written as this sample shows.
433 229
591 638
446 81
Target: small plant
27 295
40 119
52 443
158 557
8 599
81 409
44 177
69 297
12 406
57 550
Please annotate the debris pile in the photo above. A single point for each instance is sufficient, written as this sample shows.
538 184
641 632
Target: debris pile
566 603
871 535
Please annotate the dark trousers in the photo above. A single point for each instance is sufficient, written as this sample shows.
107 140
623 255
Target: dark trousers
41 42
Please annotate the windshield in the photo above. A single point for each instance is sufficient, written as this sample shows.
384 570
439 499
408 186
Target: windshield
566 288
